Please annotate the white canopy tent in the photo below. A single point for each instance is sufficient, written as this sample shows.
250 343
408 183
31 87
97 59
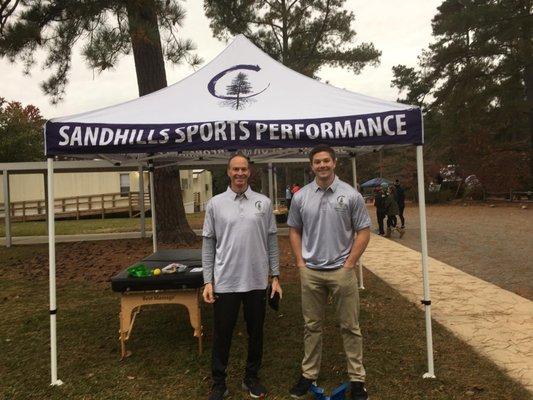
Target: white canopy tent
243 99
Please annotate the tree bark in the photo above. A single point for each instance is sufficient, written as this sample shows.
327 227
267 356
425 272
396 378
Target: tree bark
171 223
527 54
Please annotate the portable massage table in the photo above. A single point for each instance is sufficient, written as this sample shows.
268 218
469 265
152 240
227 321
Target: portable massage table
177 288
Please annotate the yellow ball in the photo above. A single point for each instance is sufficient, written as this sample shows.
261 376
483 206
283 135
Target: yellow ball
156 272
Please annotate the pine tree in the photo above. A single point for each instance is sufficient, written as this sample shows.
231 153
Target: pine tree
302 34
109 29
238 88
476 78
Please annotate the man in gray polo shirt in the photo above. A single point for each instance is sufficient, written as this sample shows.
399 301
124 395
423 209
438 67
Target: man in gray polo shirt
329 230
239 252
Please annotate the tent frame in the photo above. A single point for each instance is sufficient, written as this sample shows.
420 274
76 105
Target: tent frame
52 254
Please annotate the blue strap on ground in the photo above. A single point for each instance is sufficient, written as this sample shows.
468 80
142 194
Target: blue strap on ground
338 393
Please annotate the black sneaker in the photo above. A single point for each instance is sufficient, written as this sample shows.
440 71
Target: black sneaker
358 391
218 392
301 388
254 387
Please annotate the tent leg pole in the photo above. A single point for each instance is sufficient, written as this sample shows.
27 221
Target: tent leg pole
275 174
141 202
7 209
45 186
270 182
425 273
152 207
360 261
52 273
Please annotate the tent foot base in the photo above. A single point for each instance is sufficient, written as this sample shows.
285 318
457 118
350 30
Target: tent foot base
58 382
427 375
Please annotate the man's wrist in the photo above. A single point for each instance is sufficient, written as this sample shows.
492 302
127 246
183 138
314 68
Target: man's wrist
351 261
274 277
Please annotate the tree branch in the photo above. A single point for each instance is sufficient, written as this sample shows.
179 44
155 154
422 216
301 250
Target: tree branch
6 12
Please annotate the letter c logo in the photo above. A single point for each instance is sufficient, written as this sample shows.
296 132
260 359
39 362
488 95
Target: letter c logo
211 86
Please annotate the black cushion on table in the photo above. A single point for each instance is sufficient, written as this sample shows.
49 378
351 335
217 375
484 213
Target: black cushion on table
122 282
171 255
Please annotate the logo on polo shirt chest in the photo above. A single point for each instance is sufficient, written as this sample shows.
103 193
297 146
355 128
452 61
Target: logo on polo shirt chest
259 207
341 203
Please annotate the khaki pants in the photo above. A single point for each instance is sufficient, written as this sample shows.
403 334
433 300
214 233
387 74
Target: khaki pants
342 285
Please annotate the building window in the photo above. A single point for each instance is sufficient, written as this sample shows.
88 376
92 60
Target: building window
207 187
124 184
184 183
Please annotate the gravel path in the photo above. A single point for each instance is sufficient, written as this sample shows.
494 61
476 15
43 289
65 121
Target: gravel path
491 243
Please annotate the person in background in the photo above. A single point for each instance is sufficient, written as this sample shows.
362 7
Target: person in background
399 196
239 252
295 188
391 209
288 197
329 229
380 208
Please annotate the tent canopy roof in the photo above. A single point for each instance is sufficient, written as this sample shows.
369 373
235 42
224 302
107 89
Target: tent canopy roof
241 99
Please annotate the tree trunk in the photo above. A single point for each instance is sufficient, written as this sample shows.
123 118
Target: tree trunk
146 43
172 225
527 54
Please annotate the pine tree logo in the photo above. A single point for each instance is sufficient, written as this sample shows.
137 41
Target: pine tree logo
240 92
238 89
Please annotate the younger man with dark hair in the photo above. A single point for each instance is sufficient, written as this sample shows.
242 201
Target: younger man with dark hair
328 231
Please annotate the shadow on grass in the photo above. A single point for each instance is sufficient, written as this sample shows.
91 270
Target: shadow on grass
165 363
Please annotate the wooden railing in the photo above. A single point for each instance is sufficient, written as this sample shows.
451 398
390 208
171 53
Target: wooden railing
78 206
512 195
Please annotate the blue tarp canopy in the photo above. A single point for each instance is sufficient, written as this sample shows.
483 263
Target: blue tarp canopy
375 182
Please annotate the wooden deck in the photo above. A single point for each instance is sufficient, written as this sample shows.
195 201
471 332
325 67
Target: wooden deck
77 207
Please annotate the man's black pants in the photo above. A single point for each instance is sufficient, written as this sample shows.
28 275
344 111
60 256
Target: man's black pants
380 218
402 219
226 310
391 221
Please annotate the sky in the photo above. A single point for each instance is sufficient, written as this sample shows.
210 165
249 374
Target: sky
400 29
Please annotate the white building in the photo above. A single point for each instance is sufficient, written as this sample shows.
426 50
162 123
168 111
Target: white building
82 192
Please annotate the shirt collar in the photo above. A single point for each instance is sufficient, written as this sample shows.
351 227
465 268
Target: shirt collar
331 187
234 196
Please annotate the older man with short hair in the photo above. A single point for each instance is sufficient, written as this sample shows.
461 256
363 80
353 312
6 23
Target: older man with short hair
239 253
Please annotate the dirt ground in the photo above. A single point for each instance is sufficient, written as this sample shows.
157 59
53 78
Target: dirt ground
492 243
98 261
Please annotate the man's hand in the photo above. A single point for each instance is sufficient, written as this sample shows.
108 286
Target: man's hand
276 288
349 264
208 294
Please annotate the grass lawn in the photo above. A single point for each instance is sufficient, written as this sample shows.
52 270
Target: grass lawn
165 363
73 227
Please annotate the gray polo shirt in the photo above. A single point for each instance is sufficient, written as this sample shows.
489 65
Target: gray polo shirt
329 220
240 224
